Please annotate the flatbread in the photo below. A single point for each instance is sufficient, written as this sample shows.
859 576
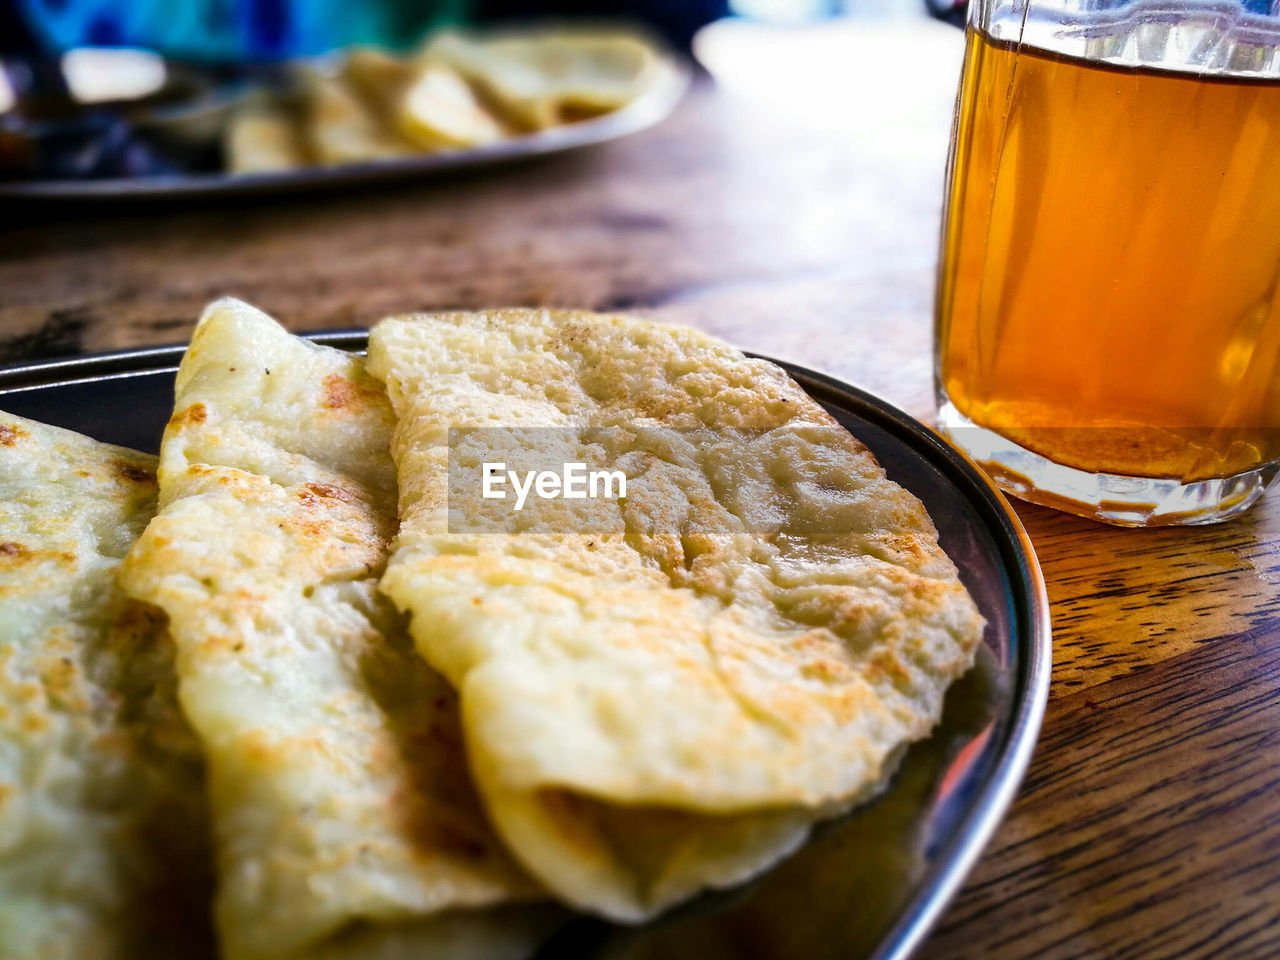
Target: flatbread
338 127
102 824
263 136
538 78
427 103
340 794
663 701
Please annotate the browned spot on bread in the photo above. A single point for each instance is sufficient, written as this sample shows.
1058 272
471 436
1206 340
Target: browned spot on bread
339 393
887 665
308 498
15 554
196 413
10 433
61 679
133 472
824 670
310 493
216 643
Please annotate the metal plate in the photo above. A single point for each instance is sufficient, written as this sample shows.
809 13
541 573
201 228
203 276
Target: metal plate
653 105
870 884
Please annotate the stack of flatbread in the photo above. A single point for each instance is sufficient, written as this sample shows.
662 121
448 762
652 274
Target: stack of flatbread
292 664
460 90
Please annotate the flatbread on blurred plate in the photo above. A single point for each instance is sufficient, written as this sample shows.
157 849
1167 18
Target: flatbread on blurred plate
263 135
339 127
428 103
538 78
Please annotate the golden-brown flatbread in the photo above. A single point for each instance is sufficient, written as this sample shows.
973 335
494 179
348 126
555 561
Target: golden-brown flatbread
538 78
340 796
660 692
263 135
339 127
427 103
103 852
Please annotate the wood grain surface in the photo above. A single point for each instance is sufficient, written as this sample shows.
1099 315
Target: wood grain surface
795 212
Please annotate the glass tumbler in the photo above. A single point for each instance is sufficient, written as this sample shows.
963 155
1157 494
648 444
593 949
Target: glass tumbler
1107 333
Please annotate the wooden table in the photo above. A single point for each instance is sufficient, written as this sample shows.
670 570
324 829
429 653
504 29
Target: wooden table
800 219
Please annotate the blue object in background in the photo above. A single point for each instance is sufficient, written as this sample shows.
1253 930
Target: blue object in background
677 20
235 30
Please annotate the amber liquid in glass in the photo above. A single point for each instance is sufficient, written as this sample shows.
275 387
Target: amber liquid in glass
1108 284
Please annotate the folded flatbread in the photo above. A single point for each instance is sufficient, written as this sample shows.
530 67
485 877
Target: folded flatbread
427 103
343 813
103 852
263 135
666 701
339 127
537 78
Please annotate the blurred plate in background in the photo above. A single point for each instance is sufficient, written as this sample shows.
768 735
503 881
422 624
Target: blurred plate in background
652 106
